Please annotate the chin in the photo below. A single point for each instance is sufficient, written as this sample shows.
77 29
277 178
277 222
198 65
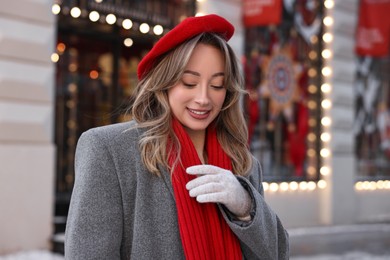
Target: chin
197 127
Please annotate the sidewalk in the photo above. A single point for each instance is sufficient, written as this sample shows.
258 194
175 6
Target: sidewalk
369 241
355 242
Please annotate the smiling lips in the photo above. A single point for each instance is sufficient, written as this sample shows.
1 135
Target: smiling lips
199 114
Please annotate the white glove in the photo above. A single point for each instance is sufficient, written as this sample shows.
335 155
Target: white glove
218 185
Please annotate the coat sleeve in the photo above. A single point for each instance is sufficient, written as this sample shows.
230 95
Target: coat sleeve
264 237
95 219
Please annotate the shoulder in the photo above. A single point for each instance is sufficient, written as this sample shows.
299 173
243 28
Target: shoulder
114 139
114 133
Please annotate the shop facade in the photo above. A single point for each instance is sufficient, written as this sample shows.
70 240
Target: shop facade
304 126
336 128
324 157
99 45
27 150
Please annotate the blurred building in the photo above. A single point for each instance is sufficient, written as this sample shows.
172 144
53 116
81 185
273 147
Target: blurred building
99 45
318 109
27 149
69 66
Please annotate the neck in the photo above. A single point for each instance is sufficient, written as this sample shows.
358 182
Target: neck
198 139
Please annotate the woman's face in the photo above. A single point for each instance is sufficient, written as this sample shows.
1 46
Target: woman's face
197 98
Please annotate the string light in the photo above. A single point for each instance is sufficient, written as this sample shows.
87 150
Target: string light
326 71
72 87
199 14
380 184
93 74
326 88
54 57
312 55
326 54
325 152
61 47
144 28
372 185
312 105
293 186
71 124
328 21
311 185
311 152
325 170
325 137
111 19
327 37
127 24
311 170
273 187
312 122
75 12
326 104
72 67
303 185
284 186
128 42
158 30
326 121
329 4
311 137
322 184
312 89
312 72
56 9
94 16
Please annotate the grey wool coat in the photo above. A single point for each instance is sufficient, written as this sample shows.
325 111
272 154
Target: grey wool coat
119 210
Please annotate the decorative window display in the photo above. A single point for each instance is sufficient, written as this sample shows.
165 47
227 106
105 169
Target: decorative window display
281 63
372 88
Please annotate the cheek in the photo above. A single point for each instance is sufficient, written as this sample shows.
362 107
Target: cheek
220 99
176 95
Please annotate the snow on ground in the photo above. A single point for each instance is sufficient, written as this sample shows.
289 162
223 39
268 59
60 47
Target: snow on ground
44 255
33 255
347 256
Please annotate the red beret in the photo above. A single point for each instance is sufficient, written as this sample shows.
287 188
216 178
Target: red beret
185 30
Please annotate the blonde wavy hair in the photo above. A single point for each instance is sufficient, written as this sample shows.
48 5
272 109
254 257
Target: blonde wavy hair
152 112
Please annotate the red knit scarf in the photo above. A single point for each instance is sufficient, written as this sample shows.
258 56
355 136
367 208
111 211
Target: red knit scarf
204 233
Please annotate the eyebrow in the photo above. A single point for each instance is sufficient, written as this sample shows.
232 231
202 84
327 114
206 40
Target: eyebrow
218 74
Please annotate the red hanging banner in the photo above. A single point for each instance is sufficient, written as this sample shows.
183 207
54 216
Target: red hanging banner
261 12
373 30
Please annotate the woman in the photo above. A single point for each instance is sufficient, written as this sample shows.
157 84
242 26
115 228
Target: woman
177 182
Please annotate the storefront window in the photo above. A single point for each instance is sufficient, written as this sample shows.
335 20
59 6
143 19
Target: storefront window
372 91
372 118
99 45
282 63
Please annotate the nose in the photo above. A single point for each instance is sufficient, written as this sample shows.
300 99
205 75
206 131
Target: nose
202 95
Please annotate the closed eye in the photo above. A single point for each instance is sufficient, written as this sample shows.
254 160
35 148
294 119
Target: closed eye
217 87
189 85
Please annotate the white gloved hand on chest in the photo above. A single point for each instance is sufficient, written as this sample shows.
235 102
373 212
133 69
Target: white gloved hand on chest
218 185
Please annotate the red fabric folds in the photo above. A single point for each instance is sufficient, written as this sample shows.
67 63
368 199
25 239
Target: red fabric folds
204 232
